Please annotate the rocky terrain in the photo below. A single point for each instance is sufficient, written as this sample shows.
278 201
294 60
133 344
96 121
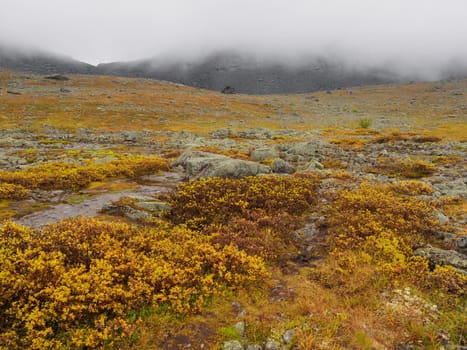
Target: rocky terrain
407 141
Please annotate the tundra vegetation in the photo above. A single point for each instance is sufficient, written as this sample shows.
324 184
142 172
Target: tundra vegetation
352 236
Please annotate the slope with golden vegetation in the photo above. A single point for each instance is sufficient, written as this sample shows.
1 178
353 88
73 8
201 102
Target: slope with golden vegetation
354 240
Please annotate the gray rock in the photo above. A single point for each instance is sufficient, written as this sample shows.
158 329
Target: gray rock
272 345
13 92
193 162
130 136
223 133
314 165
153 206
264 153
254 347
440 256
288 336
127 211
280 166
308 149
204 164
233 345
240 327
255 133
234 168
443 219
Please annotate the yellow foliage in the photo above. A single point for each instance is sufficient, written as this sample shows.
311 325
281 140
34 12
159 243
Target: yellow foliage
12 191
217 200
374 209
411 168
411 187
60 175
73 283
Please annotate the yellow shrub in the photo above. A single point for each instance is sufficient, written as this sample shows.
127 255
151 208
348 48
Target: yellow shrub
375 209
411 187
12 191
217 200
410 168
73 283
59 175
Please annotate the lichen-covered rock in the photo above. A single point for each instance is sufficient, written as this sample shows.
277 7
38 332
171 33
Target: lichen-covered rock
264 153
272 345
233 345
205 164
440 256
280 166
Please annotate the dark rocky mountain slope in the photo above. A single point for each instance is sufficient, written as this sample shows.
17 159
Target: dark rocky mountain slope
238 72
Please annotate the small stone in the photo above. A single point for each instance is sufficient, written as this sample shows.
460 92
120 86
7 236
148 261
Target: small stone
288 336
240 327
272 345
254 347
443 219
233 345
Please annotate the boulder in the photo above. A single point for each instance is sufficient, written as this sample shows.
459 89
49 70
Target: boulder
440 256
233 345
314 165
280 166
264 153
205 164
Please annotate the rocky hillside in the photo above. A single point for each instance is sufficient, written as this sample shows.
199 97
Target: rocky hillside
41 62
247 74
227 70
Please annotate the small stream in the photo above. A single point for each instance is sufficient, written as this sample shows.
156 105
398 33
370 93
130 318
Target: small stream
91 207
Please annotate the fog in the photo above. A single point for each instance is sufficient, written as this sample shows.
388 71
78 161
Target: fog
412 35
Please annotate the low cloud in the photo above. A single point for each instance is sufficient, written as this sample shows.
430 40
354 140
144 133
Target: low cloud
417 36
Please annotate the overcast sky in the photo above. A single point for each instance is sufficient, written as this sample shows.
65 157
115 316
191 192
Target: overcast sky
374 31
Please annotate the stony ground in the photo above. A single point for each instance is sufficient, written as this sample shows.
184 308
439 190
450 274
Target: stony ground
379 134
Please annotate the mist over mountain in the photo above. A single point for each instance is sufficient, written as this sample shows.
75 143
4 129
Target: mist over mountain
241 71
40 62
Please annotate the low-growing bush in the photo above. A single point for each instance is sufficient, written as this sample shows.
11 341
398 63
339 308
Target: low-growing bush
74 283
364 123
410 168
12 191
411 187
216 200
373 209
60 175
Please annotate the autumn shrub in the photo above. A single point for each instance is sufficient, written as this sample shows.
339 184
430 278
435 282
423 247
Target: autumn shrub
373 230
74 283
60 175
12 191
259 234
233 153
372 209
410 168
411 187
256 214
216 200
447 160
365 123
349 142
392 137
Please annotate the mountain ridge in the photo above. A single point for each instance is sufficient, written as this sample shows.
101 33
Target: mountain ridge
240 72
